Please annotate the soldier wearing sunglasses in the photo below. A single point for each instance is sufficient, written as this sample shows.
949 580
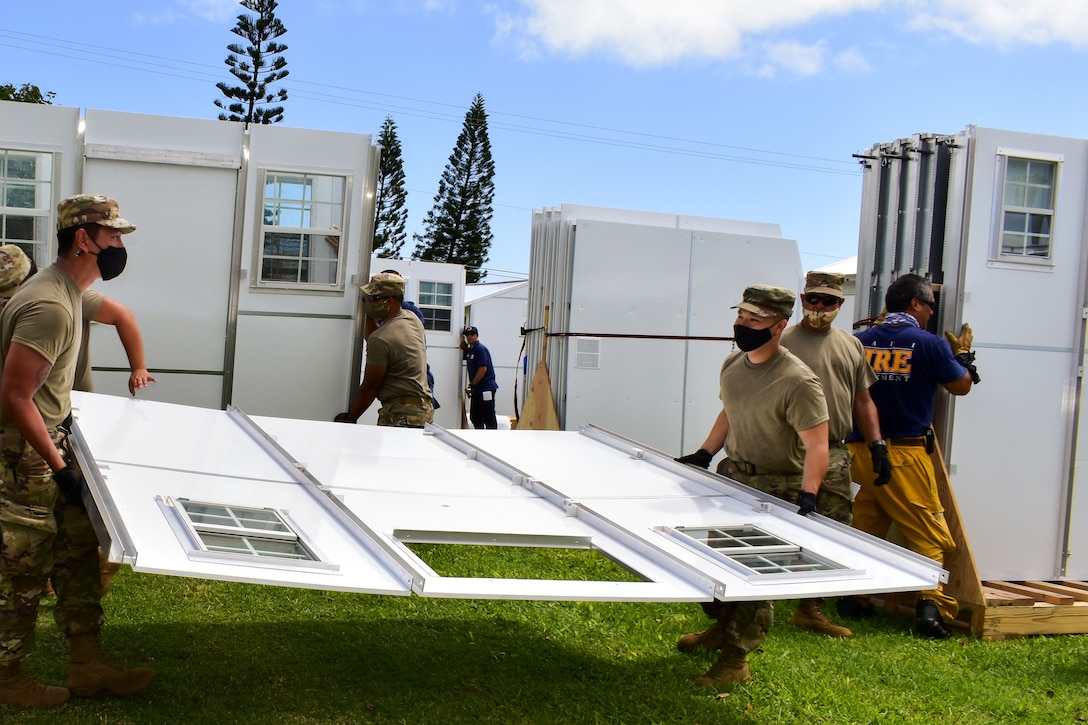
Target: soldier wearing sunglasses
838 359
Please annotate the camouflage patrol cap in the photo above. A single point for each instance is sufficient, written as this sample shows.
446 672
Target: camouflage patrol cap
827 283
385 285
14 267
767 301
91 208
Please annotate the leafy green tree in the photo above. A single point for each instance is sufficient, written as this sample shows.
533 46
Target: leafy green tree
390 216
26 93
458 228
265 66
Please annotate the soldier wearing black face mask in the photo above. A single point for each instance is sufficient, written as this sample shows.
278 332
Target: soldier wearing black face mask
773 426
40 334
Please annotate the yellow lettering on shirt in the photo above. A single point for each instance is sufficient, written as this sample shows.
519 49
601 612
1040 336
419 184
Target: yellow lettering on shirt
896 362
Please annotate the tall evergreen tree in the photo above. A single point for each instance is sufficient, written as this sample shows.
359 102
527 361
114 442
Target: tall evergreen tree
390 216
265 66
458 228
26 93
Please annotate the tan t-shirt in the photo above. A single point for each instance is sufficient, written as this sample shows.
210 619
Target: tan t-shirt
766 405
45 315
399 346
838 359
84 380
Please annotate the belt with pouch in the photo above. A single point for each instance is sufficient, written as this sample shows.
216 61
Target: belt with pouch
406 401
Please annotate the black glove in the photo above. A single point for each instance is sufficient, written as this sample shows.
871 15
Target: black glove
881 465
807 502
967 359
70 482
700 458
345 418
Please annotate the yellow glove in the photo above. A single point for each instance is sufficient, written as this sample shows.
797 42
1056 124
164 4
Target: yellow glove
963 342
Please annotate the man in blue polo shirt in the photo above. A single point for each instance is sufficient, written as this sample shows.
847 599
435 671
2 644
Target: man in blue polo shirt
481 380
910 364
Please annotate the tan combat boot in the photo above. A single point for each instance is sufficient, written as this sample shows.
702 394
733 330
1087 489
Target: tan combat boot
808 616
106 570
18 689
91 671
712 637
730 669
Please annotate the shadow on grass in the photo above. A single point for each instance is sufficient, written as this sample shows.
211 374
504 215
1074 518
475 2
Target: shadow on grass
382 670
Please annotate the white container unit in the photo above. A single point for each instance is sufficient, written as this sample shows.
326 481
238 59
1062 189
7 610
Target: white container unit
998 219
244 269
640 317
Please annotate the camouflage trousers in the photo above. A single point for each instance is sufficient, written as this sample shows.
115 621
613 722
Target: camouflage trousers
43 538
744 624
835 499
405 415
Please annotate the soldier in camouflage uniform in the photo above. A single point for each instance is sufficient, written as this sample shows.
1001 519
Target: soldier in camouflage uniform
46 532
396 360
773 426
839 360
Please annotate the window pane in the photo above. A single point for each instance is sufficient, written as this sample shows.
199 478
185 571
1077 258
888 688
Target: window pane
1016 221
1012 244
22 167
1041 173
437 319
294 203
1016 170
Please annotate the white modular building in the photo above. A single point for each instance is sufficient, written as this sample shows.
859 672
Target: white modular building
996 219
244 271
639 319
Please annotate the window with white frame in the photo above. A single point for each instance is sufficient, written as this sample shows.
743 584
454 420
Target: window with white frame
758 551
26 201
436 303
1029 191
257 532
303 218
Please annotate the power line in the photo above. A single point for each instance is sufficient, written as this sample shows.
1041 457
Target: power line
300 88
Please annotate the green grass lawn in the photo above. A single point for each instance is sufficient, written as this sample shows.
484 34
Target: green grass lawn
233 653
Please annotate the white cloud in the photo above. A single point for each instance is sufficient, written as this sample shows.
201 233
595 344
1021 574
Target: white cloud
214 10
1009 22
804 60
651 32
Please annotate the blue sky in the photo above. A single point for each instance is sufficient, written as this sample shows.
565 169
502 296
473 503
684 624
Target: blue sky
720 108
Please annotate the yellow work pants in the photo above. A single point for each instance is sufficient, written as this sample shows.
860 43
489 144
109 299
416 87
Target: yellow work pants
910 500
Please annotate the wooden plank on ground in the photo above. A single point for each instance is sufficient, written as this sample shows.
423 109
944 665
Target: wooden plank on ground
1000 598
1079 586
1006 622
1080 595
1037 594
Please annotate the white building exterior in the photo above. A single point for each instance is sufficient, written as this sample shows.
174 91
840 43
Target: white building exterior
245 267
997 220
639 314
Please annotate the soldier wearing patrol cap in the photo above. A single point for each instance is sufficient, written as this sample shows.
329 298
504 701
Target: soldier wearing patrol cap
838 358
15 267
47 532
773 426
396 360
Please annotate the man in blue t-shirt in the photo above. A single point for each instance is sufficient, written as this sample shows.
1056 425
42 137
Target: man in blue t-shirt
481 380
910 364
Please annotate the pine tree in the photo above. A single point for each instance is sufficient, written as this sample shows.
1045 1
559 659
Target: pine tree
265 66
26 93
390 216
458 228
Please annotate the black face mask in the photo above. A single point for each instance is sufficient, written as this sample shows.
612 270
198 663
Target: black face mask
111 261
748 339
